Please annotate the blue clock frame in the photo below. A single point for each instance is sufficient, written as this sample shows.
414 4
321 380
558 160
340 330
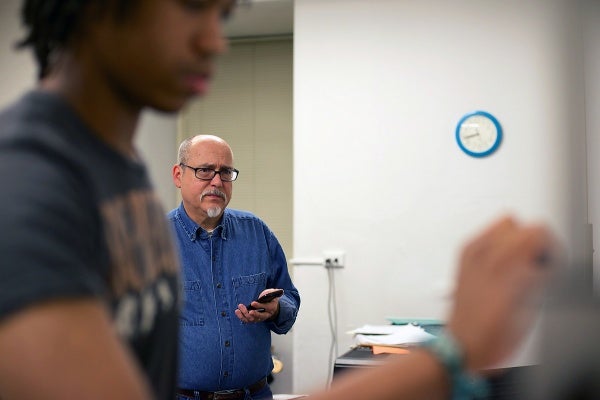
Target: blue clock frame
497 142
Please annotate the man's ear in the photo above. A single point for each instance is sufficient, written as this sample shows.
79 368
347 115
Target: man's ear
176 173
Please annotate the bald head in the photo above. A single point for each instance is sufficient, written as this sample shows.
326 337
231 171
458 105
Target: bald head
185 148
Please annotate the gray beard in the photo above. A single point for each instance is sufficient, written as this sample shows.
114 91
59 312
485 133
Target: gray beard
214 212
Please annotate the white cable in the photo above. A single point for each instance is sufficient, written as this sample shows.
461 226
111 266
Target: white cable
331 305
332 314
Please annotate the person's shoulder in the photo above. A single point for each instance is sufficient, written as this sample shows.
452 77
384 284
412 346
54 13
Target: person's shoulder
31 105
247 222
30 142
171 214
40 120
14 115
244 217
241 215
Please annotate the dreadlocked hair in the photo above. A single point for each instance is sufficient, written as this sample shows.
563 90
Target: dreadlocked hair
50 25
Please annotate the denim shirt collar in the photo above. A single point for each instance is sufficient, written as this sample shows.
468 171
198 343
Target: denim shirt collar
195 231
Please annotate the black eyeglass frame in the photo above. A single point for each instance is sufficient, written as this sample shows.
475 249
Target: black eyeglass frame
233 171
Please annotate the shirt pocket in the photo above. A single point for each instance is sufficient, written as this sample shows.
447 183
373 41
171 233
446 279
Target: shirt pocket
248 287
193 312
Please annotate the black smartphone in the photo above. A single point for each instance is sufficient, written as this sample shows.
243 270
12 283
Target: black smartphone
265 299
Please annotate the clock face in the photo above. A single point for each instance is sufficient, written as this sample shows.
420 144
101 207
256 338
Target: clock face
478 134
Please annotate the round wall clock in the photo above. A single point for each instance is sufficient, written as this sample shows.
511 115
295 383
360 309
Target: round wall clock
478 134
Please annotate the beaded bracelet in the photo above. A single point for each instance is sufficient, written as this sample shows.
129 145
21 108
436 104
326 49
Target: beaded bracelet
450 354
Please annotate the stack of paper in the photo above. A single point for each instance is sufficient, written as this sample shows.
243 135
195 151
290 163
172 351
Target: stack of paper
390 335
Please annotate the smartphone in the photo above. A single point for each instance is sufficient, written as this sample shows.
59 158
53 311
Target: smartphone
265 299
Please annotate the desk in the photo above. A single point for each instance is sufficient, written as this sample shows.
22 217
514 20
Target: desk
505 384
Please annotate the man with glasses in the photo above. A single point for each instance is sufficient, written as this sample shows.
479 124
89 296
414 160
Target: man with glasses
229 259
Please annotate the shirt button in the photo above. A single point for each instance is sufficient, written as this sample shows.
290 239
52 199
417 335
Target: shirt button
223 313
219 285
214 258
227 343
225 373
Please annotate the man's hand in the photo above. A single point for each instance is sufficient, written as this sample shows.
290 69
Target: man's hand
269 311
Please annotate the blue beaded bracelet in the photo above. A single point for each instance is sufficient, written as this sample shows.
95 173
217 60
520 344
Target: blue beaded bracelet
464 386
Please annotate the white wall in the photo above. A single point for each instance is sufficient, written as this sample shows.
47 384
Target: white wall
593 123
156 141
17 72
379 88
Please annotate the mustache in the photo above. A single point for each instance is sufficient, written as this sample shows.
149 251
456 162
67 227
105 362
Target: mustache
213 192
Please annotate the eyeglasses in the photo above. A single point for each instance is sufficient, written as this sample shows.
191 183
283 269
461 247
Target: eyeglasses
207 174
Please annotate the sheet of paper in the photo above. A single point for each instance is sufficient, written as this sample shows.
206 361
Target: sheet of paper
390 335
381 329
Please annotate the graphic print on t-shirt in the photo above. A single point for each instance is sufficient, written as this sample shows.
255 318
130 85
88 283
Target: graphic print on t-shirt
142 260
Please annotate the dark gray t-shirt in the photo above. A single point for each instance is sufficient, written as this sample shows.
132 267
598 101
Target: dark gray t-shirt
78 219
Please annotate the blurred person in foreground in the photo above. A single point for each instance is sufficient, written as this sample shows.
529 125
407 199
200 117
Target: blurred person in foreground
89 279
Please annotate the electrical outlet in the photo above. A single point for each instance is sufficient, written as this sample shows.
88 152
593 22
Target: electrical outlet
335 258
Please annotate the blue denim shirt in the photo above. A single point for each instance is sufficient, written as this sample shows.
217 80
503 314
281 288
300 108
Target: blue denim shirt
220 270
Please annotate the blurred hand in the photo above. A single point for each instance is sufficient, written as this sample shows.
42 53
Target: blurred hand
502 272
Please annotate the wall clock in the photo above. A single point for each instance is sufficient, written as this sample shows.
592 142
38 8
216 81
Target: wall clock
478 134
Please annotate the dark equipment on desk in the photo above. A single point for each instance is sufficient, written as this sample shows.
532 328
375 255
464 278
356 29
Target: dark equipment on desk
503 383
